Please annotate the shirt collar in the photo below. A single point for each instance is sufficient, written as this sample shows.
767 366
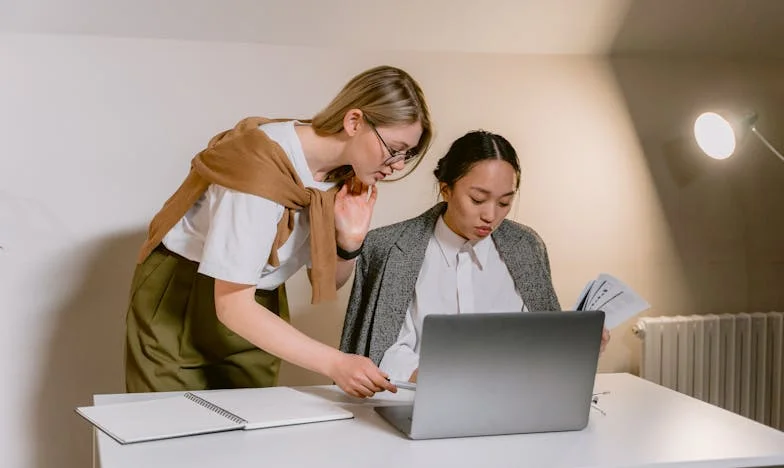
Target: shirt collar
451 243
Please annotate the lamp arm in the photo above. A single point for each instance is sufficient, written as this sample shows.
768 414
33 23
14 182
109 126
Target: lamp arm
767 143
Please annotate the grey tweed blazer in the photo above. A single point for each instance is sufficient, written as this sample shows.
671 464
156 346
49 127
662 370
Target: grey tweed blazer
387 271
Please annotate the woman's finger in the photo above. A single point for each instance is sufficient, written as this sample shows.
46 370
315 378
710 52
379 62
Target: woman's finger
342 192
381 381
363 390
367 382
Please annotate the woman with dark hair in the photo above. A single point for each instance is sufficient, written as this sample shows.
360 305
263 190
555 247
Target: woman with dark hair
460 256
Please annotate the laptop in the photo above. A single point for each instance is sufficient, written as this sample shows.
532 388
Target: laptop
502 373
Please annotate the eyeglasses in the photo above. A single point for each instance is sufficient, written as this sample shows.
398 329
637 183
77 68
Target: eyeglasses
394 156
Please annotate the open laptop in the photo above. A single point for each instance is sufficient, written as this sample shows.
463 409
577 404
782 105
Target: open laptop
502 373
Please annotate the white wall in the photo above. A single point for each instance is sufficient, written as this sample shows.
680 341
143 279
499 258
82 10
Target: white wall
97 132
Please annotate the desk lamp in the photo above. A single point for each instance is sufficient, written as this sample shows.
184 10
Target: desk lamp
716 136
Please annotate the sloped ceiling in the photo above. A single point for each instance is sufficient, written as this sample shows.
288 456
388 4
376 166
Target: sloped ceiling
738 28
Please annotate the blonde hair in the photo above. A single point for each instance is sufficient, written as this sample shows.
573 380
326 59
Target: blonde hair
387 96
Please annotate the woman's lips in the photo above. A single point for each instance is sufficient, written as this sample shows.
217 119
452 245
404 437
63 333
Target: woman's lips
483 230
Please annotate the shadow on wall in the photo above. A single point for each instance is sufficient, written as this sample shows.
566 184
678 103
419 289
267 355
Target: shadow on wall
85 354
725 216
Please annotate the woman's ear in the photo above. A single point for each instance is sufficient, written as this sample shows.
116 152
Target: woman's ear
352 121
443 190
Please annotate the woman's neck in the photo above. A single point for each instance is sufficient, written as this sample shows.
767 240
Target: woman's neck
452 227
322 153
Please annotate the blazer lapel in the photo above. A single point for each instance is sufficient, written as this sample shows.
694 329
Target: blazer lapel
520 260
401 271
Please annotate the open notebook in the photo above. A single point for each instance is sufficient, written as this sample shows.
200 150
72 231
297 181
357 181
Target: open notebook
210 411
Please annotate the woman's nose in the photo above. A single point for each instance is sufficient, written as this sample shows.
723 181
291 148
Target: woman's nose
488 215
398 165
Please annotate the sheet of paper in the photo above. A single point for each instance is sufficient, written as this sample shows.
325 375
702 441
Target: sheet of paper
583 296
616 299
163 418
274 406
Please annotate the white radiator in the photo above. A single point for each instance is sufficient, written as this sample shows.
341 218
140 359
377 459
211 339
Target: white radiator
732 361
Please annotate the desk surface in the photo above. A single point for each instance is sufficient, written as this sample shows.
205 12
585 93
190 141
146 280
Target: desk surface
645 425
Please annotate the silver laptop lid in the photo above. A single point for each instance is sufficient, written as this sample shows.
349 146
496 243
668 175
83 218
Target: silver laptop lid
505 373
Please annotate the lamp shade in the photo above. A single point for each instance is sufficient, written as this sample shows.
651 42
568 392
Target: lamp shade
715 136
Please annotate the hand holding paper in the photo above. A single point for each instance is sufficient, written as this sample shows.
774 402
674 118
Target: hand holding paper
609 294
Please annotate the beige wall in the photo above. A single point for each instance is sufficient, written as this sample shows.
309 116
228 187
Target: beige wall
725 218
97 133
586 187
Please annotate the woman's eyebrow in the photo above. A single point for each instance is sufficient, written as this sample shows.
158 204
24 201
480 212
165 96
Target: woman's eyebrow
487 192
400 143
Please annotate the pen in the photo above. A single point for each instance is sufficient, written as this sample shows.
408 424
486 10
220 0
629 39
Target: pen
403 384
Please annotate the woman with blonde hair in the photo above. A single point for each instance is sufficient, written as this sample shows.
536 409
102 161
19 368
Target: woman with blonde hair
208 305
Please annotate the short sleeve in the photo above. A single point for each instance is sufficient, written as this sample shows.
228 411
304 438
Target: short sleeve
240 236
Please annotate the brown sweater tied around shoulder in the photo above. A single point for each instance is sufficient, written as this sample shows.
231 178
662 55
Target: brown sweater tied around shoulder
247 160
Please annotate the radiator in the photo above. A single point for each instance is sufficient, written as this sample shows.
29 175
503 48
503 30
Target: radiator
735 361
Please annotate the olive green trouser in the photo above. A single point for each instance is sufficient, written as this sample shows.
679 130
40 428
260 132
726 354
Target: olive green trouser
174 340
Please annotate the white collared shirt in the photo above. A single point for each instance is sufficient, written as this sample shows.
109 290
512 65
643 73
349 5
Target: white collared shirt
448 285
230 233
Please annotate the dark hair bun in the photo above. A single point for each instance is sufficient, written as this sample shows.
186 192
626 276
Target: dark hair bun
470 149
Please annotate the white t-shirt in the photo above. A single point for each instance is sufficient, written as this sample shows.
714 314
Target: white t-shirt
457 276
230 233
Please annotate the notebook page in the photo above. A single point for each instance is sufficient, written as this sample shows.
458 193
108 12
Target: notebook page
155 419
274 406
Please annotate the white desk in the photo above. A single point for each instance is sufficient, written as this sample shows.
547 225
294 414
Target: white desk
646 426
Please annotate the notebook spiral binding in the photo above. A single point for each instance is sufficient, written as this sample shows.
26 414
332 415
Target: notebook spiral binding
226 414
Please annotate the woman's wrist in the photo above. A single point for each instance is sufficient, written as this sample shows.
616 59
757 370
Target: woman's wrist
350 243
330 362
349 247
348 255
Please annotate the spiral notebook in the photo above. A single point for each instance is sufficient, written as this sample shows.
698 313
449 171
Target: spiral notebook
210 411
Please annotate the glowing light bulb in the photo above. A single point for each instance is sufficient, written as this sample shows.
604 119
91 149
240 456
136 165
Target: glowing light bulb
714 135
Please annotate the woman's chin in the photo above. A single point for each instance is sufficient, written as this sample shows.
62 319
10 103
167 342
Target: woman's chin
373 178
